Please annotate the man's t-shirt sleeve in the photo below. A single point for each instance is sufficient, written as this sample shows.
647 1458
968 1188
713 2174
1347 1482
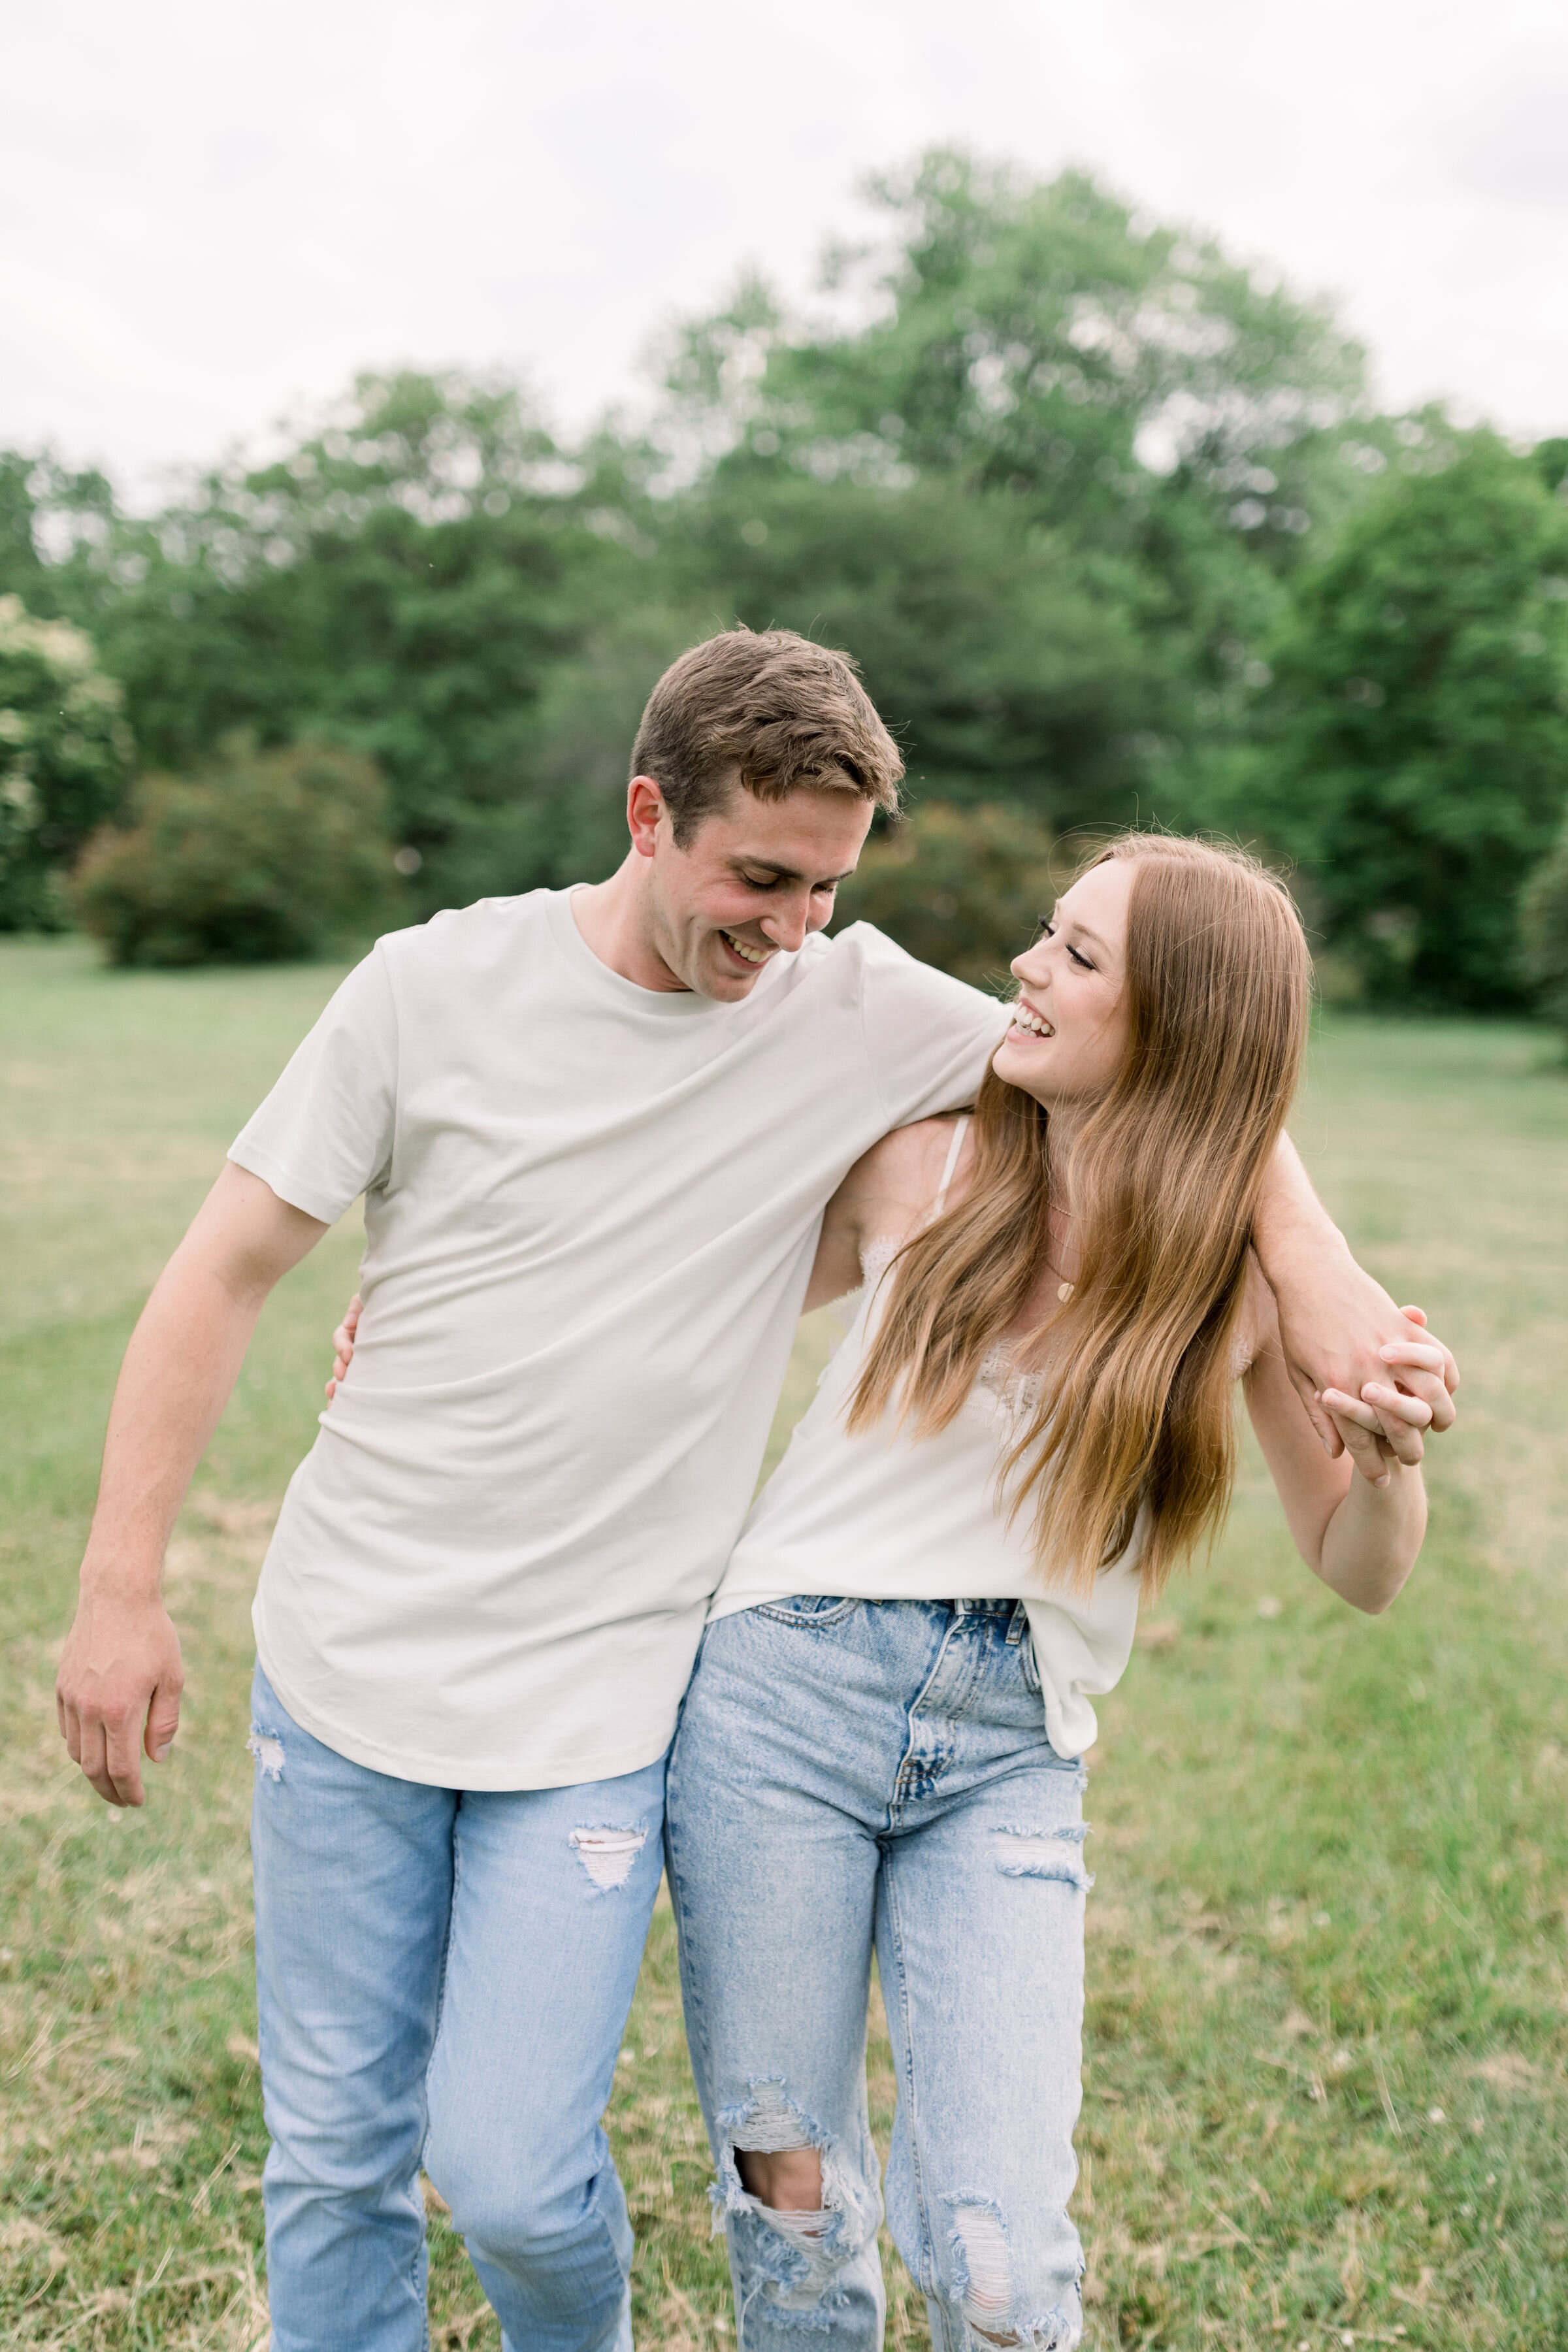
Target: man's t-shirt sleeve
325 1133
930 1036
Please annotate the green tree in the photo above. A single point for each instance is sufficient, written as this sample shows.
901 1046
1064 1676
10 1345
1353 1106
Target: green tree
1011 665
1412 749
1049 484
1543 927
1048 471
265 855
405 580
1037 337
65 752
58 538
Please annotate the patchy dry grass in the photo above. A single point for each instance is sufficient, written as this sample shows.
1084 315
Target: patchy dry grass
1327 2089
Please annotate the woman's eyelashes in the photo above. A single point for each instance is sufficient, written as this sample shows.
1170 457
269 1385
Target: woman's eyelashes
1047 931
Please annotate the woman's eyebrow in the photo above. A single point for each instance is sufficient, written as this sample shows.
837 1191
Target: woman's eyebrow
1084 932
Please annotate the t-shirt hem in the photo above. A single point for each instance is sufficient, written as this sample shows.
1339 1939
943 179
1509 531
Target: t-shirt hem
457 1771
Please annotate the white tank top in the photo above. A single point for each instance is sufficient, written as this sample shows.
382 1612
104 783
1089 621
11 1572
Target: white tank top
885 1517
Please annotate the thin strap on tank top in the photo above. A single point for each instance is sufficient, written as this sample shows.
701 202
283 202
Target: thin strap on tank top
960 1130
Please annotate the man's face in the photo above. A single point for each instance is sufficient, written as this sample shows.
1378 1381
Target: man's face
754 879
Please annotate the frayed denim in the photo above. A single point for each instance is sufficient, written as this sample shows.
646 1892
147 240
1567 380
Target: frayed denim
857 1775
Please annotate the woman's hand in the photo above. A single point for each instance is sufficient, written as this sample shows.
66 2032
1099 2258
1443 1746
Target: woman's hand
343 1343
1385 1429
1388 1420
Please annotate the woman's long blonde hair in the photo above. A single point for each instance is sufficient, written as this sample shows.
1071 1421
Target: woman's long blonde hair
1134 1424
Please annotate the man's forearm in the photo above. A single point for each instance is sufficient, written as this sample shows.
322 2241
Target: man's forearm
181 1365
1340 1329
1290 1217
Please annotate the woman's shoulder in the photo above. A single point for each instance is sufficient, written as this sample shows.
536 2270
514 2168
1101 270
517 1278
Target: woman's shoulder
913 1158
891 1187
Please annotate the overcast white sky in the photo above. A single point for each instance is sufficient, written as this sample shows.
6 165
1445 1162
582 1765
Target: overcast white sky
211 215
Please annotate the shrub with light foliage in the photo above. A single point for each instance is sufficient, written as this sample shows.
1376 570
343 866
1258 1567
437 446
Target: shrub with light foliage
264 856
65 752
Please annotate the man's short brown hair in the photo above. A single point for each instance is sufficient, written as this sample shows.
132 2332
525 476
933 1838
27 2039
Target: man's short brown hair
775 709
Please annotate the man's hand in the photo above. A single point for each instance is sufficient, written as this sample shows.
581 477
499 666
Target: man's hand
119 1680
343 1343
1354 1356
118 1691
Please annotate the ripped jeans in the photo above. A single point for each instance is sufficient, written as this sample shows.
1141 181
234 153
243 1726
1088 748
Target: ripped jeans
853 1775
443 1978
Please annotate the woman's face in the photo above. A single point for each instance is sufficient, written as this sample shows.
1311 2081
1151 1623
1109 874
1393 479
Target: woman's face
1069 1026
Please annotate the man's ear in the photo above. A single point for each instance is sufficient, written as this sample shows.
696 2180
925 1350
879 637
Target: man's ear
645 808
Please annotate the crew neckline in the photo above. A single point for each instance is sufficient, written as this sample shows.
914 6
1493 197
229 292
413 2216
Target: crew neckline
661 1004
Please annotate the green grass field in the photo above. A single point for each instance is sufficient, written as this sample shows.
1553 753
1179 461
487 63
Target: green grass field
1326 2096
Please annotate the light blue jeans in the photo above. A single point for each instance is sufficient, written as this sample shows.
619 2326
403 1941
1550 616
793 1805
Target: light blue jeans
443 1977
850 1774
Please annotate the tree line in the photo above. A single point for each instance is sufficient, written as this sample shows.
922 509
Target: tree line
1109 520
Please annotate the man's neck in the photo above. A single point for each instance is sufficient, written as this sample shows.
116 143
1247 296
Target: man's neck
613 920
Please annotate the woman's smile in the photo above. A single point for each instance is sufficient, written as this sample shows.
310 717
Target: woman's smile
1030 1021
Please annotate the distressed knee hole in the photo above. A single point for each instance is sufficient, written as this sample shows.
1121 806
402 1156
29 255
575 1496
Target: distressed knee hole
268 1750
607 1854
986 2286
982 2287
771 2126
787 2180
791 2254
1043 1853
808 2231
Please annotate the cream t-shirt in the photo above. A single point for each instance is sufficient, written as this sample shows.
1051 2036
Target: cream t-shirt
590 1213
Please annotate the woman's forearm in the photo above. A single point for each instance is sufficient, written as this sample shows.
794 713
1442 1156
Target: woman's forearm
1371 1542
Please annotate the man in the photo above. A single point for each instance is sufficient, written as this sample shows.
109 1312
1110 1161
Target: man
595 1131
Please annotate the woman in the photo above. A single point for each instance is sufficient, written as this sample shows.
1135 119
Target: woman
1032 1408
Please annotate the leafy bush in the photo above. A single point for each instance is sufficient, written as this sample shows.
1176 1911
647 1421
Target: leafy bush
65 752
962 888
268 854
1544 925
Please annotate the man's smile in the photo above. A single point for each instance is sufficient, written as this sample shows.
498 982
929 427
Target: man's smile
745 950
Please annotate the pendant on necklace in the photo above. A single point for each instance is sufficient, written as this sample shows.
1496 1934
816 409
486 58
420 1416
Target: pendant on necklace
1064 1292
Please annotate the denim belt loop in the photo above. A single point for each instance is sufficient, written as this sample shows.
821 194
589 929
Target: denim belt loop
1019 1626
